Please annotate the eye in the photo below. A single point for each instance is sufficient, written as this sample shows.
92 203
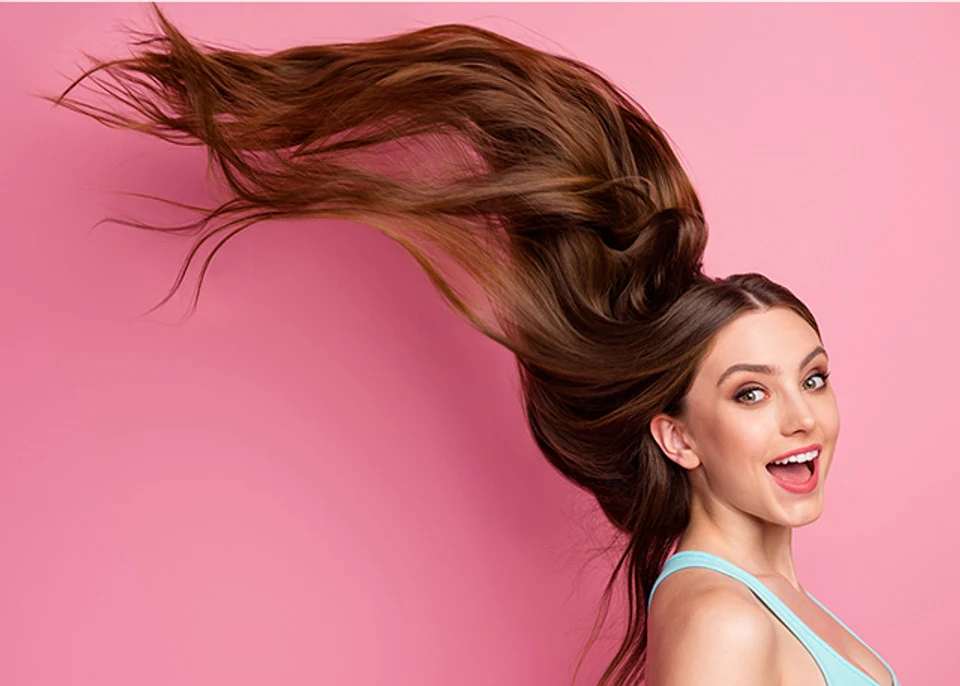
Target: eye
747 391
756 389
822 375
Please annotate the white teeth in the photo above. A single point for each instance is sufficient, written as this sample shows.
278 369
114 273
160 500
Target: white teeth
802 457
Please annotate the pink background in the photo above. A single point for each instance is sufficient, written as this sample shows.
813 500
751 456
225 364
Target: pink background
324 476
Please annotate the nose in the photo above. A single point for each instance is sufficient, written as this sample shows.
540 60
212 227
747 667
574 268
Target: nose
797 415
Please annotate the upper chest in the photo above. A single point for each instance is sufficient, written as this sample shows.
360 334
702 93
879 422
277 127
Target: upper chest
799 666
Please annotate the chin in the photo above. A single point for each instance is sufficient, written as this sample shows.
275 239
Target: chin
804 521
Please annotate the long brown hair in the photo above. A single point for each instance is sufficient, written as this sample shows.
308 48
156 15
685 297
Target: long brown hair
555 194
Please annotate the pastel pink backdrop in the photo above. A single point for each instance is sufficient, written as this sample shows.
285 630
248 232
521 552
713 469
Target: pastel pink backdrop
324 476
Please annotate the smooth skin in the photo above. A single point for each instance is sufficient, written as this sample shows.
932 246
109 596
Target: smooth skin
711 636
714 632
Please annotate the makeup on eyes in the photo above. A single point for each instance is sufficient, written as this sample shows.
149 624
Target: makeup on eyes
821 373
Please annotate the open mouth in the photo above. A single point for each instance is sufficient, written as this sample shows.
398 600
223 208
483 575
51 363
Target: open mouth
793 472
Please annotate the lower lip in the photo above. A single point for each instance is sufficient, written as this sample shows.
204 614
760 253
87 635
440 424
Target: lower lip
805 487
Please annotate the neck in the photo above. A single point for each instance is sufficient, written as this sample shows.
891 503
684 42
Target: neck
759 547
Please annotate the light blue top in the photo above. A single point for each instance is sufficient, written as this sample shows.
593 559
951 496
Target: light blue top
837 670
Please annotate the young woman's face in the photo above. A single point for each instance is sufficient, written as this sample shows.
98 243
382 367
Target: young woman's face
739 421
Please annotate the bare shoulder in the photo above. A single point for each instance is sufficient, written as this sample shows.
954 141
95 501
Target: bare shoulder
705 628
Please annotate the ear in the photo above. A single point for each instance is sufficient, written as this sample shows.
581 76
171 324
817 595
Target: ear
670 435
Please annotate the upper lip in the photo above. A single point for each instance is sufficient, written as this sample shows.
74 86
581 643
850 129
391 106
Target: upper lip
815 446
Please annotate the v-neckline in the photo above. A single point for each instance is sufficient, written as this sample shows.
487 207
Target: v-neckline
801 623
893 677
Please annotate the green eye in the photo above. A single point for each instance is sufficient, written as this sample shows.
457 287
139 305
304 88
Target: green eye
752 389
745 391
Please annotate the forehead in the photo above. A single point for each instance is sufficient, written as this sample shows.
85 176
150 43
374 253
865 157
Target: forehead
778 336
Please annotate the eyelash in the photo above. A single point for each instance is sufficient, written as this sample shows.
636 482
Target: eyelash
824 375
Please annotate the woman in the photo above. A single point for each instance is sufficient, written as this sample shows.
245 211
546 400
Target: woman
667 394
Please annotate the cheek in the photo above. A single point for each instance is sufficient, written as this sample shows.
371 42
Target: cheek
744 436
831 429
829 419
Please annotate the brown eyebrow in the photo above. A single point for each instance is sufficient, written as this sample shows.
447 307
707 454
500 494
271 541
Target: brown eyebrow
768 369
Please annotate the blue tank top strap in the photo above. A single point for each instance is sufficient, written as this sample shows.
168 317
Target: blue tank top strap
697 558
828 660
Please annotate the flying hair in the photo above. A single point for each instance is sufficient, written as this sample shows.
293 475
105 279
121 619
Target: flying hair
545 205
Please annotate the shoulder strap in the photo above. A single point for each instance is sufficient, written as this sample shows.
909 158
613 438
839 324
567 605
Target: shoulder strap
698 558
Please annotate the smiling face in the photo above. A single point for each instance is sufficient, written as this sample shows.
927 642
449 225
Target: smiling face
737 422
